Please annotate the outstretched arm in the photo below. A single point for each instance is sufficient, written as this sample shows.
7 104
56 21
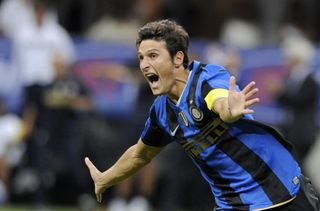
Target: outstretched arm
129 163
236 104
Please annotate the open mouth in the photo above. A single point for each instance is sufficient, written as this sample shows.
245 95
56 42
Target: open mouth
152 78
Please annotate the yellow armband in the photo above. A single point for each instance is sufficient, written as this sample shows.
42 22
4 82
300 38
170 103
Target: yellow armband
215 94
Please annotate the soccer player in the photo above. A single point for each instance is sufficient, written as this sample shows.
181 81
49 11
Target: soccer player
247 164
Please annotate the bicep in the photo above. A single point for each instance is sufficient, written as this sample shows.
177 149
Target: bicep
145 151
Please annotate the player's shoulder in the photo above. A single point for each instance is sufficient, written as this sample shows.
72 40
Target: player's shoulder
212 69
159 102
208 70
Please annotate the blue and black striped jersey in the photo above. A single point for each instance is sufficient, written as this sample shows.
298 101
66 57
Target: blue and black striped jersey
248 165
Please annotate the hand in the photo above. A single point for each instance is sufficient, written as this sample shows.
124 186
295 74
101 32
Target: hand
240 101
96 176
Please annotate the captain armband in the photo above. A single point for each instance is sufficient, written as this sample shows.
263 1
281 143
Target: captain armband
215 94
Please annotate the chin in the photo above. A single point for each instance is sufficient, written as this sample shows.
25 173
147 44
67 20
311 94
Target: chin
157 92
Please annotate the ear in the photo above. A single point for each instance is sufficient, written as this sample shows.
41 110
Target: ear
178 59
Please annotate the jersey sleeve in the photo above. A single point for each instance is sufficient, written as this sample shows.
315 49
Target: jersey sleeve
152 134
215 86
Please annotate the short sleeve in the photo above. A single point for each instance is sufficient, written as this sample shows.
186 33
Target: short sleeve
217 80
216 85
152 134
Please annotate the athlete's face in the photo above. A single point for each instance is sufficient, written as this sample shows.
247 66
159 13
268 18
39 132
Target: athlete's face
156 66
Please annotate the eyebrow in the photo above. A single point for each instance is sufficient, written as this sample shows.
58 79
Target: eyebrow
148 51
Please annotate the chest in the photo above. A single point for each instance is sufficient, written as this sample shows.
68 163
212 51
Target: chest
193 127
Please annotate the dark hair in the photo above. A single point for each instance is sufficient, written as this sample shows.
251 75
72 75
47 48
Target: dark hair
174 35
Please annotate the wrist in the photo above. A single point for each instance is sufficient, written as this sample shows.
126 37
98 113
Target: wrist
229 116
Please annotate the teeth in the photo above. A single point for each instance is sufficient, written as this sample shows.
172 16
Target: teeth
150 74
152 77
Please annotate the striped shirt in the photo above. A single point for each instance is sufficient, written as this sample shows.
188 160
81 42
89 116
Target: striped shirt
248 165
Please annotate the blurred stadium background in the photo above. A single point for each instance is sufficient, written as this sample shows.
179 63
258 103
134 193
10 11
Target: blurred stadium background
246 36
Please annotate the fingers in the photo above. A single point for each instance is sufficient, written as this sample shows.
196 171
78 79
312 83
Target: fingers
251 93
248 90
92 169
232 83
93 172
248 111
249 87
99 197
88 163
251 102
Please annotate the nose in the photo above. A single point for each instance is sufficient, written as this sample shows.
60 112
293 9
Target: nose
144 65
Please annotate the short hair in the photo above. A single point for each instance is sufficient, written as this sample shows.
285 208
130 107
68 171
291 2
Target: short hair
174 35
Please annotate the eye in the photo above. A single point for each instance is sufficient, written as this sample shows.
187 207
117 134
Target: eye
140 57
153 55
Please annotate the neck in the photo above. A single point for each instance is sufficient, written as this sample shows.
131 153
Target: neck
180 83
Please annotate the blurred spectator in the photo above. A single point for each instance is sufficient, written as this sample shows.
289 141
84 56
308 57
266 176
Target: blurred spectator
117 25
41 50
299 95
122 20
298 20
11 20
11 148
298 13
240 34
270 23
53 148
39 46
43 39
147 11
240 30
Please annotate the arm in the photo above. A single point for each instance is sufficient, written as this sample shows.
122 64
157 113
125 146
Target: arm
129 163
232 108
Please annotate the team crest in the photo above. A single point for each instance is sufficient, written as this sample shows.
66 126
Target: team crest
196 113
184 118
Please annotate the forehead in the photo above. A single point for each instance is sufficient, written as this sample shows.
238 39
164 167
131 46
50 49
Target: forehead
149 45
